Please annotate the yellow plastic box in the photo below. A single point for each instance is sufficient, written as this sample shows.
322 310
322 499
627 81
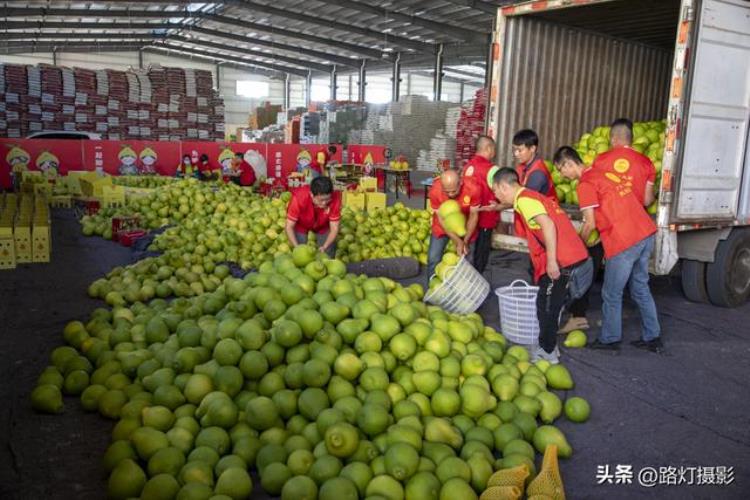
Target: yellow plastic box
22 238
355 201
375 201
113 196
7 248
40 240
368 183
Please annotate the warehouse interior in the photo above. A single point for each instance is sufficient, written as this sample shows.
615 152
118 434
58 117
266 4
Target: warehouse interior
256 249
294 55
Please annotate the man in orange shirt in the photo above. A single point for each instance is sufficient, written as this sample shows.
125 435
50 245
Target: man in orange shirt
316 208
468 194
632 167
561 264
627 233
478 168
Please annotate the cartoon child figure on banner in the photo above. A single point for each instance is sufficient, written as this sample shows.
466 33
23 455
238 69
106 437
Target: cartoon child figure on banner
226 160
18 160
368 165
127 161
304 159
148 161
48 164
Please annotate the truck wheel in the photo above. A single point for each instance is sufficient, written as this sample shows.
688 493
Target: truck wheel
728 277
694 280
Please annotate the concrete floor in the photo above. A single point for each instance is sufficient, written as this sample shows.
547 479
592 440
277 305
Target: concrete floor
686 408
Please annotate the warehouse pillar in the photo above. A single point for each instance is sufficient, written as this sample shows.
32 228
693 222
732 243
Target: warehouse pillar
308 88
396 78
437 81
54 56
488 62
461 92
140 58
333 84
287 91
362 81
218 77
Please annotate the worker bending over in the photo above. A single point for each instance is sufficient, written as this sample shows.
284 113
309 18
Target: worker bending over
315 208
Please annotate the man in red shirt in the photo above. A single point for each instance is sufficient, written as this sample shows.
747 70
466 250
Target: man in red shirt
316 208
531 170
478 168
468 194
627 233
244 174
561 264
632 167
322 157
247 174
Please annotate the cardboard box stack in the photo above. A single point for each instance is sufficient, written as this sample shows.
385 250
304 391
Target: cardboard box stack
405 126
157 103
443 145
470 126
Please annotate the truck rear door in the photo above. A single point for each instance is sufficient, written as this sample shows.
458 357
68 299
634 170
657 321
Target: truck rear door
717 115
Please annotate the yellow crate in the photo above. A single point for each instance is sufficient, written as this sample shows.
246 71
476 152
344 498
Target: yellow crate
375 201
27 187
72 184
113 196
355 201
134 192
368 183
61 201
93 187
7 251
31 176
44 189
40 241
22 238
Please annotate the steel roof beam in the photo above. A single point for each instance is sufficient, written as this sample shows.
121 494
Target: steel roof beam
235 59
326 23
79 36
63 46
161 14
326 56
436 26
217 60
324 68
486 7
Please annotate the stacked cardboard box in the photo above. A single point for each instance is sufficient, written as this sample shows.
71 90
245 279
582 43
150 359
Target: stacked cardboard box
158 103
443 145
470 126
405 126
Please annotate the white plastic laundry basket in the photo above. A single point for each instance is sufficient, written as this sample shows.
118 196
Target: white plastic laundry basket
462 292
518 320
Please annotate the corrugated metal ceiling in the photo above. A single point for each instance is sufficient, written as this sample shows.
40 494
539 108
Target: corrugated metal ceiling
315 37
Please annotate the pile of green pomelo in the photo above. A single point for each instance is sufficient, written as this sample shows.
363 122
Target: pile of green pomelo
211 224
329 385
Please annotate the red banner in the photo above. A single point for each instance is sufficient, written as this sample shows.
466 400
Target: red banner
161 157
54 157
132 157
361 154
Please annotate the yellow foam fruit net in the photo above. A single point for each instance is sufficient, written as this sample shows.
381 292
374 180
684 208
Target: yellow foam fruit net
548 483
501 493
515 476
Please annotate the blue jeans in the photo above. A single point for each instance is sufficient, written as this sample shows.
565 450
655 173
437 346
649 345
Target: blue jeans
436 251
320 238
628 268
